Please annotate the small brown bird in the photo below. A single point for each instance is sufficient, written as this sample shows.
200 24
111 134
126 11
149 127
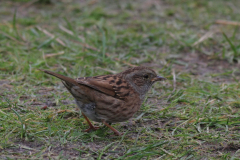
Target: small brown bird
110 98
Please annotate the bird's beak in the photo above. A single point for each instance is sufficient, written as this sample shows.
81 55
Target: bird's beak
158 78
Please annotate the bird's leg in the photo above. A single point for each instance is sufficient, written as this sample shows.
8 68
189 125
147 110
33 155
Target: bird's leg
113 129
107 126
91 127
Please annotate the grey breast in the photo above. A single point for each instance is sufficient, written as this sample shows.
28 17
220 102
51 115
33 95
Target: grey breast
89 110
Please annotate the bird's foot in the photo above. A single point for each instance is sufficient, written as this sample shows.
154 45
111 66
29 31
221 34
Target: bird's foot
116 133
91 128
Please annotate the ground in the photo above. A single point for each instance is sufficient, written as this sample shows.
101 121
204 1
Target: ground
194 114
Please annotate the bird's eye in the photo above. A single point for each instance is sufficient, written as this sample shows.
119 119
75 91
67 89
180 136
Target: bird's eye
145 76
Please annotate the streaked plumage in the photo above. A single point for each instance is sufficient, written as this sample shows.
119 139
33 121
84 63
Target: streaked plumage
110 98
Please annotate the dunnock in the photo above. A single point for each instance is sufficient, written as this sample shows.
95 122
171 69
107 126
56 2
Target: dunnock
110 98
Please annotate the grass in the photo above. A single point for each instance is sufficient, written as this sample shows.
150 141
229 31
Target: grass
197 119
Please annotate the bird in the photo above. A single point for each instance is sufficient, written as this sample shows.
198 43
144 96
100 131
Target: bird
110 98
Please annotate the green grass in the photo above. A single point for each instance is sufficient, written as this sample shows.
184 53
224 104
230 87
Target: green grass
199 118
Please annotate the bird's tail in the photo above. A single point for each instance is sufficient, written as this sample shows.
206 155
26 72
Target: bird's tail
68 82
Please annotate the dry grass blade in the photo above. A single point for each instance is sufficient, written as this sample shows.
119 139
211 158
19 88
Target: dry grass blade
12 38
225 22
66 110
204 37
53 54
105 69
129 64
82 38
51 35
117 59
174 83
174 80
164 150
70 32
91 47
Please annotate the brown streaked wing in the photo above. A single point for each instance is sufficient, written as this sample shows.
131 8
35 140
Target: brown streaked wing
108 84
97 84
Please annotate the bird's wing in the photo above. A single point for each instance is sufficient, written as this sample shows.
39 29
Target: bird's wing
108 84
